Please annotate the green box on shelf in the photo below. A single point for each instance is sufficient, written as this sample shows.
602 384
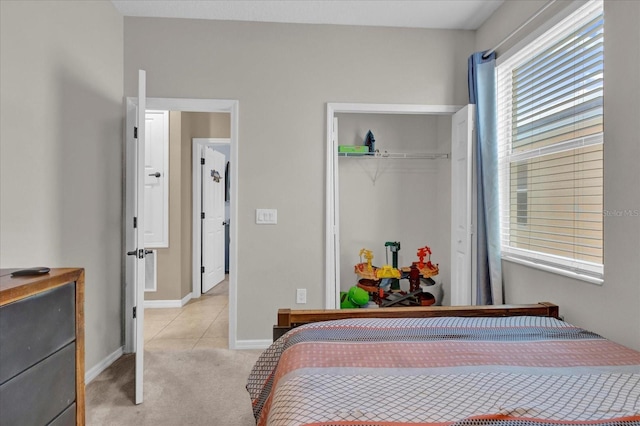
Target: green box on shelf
354 149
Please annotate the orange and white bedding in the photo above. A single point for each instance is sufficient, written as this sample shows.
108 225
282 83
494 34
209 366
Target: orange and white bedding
513 371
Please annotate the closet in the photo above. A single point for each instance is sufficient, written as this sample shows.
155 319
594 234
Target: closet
402 192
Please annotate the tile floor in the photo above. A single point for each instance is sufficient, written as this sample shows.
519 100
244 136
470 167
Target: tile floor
201 323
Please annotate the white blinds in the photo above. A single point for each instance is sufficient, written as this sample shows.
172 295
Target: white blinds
550 121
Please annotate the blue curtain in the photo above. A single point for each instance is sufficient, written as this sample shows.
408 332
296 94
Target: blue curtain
482 93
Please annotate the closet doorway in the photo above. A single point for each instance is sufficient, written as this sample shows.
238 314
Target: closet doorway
357 211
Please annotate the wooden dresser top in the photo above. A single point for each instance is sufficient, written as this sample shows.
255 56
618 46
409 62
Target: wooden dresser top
16 288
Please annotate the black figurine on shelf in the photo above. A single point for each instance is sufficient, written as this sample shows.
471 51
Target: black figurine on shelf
370 141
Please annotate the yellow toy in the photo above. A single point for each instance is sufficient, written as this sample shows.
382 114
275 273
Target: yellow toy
367 255
365 270
387 271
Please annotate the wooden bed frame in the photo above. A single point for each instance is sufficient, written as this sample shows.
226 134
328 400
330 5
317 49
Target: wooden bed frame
288 319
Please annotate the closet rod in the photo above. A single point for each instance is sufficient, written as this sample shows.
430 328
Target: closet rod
514 32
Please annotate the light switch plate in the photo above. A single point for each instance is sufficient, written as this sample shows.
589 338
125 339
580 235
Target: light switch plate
266 216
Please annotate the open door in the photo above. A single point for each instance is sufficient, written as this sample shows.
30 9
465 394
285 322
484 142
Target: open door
134 228
213 217
462 206
139 231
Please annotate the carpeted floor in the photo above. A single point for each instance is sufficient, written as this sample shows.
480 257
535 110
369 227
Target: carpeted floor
195 387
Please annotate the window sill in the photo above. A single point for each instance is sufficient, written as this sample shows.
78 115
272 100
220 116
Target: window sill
559 271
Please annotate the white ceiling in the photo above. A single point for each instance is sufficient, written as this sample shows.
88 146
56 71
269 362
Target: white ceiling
440 14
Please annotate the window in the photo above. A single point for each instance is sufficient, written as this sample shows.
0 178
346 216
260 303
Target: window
550 132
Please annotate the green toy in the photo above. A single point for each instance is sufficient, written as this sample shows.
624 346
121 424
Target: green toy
354 298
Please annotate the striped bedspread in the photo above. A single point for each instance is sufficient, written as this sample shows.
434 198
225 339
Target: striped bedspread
515 371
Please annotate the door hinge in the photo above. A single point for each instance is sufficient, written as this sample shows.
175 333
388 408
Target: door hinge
202 215
202 269
202 161
135 133
135 312
135 222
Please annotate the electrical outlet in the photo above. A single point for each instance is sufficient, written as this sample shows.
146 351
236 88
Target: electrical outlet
301 295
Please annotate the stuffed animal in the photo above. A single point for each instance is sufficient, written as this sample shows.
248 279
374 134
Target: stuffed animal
354 298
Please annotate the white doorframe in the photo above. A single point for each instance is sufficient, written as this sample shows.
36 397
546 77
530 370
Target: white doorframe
197 145
206 105
332 228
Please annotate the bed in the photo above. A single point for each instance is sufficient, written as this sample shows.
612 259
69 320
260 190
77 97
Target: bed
507 365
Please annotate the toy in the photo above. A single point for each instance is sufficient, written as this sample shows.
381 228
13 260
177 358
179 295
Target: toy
422 252
429 269
366 270
382 284
354 298
370 141
395 248
388 271
414 278
368 255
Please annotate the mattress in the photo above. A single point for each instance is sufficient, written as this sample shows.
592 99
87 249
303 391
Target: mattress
507 371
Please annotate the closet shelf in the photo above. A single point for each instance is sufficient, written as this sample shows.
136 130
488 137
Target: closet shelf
407 155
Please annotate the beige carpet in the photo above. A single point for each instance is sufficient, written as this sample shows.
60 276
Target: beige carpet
196 387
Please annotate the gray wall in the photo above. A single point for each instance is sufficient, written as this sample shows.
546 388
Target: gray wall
283 76
612 309
61 132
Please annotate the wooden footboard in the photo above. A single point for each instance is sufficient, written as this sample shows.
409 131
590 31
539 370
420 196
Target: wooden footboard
291 318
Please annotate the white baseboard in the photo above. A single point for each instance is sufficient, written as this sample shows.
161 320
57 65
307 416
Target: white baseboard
102 365
167 303
252 344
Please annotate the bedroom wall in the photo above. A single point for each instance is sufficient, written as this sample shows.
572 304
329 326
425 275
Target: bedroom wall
174 262
283 75
61 131
613 308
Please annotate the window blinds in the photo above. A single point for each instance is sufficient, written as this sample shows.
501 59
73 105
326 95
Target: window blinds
550 121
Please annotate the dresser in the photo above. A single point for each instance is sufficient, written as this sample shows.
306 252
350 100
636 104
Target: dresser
42 348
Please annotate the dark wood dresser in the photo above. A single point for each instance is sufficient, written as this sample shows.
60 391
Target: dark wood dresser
42 348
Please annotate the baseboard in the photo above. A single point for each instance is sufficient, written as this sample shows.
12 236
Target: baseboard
102 365
252 344
167 303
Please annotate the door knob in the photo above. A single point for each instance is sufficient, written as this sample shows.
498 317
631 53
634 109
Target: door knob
148 251
137 252
156 174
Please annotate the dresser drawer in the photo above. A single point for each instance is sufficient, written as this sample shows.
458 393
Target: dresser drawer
35 327
41 393
67 418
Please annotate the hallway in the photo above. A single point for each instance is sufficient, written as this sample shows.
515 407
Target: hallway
201 323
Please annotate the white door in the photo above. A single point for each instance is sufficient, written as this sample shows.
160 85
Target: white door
461 205
156 175
213 238
134 229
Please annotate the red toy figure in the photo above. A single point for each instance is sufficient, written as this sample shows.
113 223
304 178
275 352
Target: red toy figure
422 253
414 279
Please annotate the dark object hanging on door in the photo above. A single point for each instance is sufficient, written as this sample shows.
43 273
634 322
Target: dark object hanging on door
227 188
